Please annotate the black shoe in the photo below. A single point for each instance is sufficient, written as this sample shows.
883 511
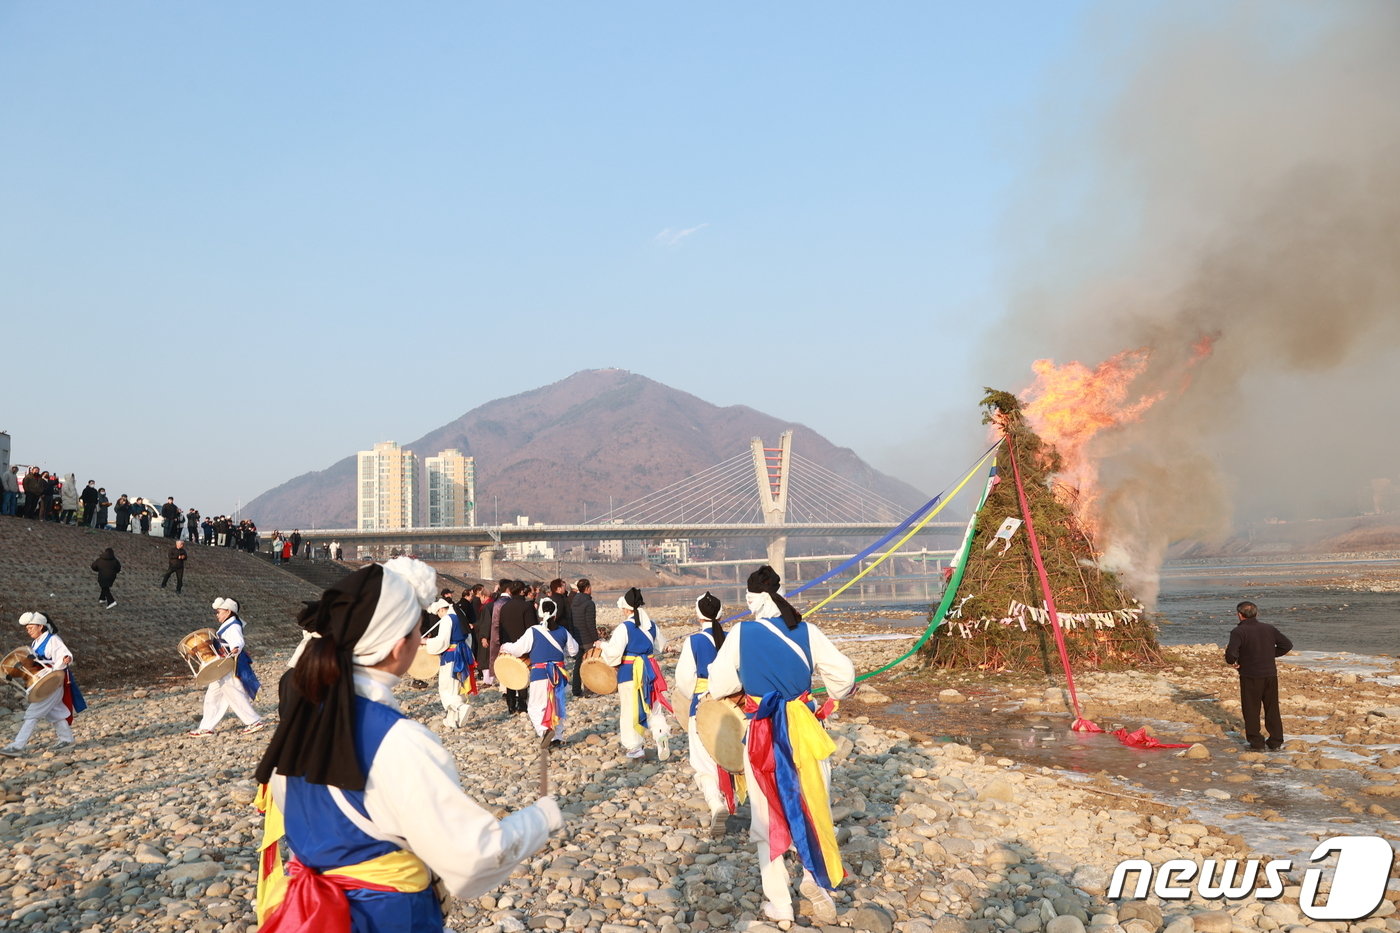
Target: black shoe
1257 748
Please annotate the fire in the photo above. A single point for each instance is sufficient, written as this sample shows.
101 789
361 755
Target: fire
1070 405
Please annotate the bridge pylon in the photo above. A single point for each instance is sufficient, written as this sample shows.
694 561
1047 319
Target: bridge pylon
770 466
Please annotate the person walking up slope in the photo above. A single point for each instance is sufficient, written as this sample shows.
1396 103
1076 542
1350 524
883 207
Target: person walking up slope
107 567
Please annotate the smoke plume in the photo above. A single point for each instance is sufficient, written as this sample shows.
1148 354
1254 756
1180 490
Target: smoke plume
1242 185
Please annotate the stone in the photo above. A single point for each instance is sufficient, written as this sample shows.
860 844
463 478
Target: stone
1196 751
1065 924
193 871
871 919
1213 921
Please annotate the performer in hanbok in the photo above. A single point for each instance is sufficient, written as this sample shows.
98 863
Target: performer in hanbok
548 644
364 807
60 706
719 788
447 638
641 687
237 690
786 767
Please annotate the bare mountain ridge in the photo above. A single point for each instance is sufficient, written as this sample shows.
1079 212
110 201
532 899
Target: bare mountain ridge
558 452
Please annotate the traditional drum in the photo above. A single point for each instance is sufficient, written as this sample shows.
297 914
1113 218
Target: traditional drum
28 673
597 675
721 725
512 672
207 658
425 665
680 703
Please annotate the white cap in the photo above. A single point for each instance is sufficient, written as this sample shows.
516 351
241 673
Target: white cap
438 606
224 603
34 618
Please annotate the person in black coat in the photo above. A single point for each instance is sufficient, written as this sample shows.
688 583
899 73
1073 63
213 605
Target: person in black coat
585 619
173 517
517 615
89 498
1252 649
107 567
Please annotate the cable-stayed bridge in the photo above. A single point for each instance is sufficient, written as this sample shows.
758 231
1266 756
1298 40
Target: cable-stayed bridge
764 492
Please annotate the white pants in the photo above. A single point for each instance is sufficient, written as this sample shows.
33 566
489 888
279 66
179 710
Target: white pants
773 873
225 693
538 701
706 771
627 719
50 708
449 689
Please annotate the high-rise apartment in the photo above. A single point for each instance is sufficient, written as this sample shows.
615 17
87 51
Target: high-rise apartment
388 487
451 489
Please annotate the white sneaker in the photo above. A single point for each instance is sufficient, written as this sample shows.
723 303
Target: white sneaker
774 912
823 907
663 749
638 752
719 824
9 751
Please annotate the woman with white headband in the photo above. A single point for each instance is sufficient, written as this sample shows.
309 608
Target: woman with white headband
60 706
364 806
234 690
787 751
641 687
548 644
718 786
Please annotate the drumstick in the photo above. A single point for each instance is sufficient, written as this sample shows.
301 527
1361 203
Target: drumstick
544 761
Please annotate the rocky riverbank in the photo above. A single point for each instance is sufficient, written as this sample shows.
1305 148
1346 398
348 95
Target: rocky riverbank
141 827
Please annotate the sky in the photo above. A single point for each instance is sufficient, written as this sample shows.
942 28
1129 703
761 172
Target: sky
239 242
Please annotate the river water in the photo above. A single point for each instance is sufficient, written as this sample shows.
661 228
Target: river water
1196 604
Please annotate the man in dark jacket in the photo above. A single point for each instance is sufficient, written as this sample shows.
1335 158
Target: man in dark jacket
296 542
173 516
178 556
585 618
517 615
192 525
33 486
107 567
89 498
1252 649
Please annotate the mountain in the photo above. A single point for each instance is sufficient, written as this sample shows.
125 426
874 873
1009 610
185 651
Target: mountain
557 453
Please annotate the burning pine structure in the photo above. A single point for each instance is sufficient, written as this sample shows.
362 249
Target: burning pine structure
997 618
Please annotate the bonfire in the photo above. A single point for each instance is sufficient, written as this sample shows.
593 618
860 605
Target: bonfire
996 615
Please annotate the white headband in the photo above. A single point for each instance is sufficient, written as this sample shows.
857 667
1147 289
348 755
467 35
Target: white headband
35 618
224 603
408 586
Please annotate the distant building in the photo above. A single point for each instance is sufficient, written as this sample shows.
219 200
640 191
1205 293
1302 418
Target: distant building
621 549
451 489
387 488
528 550
674 550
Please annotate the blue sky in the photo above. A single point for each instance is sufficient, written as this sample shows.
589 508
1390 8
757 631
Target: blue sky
241 241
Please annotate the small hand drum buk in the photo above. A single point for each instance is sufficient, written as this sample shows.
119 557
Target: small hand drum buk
722 726
207 659
597 675
512 672
28 673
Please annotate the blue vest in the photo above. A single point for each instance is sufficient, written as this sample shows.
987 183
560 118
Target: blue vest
547 646
767 663
246 675
323 838
703 650
638 643
76 695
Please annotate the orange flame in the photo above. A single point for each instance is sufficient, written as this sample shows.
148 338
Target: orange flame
1069 405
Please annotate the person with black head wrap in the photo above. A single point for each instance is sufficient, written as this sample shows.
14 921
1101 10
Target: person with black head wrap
641 687
363 805
549 644
786 752
698 651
